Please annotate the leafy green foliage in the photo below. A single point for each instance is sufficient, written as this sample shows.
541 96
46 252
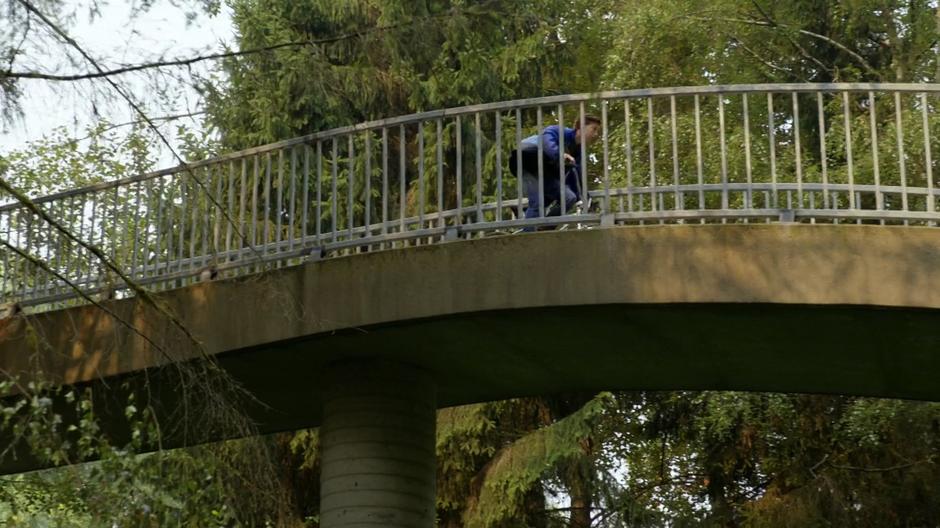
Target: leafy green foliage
404 58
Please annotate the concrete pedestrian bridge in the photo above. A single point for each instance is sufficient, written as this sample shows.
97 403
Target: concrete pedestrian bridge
735 238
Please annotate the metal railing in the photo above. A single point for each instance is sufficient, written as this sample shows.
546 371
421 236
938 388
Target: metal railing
859 153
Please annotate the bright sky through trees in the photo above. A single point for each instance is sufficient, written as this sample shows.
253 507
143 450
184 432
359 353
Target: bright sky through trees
116 37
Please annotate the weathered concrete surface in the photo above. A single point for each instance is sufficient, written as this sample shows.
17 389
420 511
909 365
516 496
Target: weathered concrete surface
377 446
789 264
835 309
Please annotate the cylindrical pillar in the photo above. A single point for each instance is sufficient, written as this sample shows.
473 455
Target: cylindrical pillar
377 446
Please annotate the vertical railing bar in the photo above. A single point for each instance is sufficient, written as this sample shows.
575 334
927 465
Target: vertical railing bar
584 172
384 181
796 147
439 148
439 125
114 224
256 175
157 244
26 264
29 282
19 275
230 208
305 213
458 130
604 132
541 163
54 244
675 153
479 167
32 271
402 180
928 157
351 187
184 179
772 138
267 202
334 198
69 251
58 248
823 156
84 258
242 202
876 165
211 207
194 239
562 150
902 162
18 262
52 251
63 249
72 249
279 206
421 198
367 220
166 264
848 148
292 207
748 197
652 150
628 151
39 276
499 165
519 192
41 283
7 274
134 231
319 219
724 153
220 213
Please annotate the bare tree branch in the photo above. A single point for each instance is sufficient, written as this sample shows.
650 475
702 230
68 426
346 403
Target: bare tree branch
130 101
761 59
858 58
136 288
45 267
801 49
879 470
215 56
141 121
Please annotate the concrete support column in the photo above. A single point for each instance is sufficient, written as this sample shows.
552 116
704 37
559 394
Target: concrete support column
377 441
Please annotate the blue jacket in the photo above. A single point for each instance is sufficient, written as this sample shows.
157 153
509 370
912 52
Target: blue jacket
550 144
551 151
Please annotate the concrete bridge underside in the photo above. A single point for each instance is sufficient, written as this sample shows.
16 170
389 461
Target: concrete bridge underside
800 308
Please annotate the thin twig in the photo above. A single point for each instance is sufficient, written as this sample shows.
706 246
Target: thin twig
861 60
45 267
185 166
224 55
136 288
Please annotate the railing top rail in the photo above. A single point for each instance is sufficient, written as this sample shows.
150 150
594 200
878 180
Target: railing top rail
490 107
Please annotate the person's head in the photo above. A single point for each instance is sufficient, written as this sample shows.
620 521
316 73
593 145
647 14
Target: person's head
590 132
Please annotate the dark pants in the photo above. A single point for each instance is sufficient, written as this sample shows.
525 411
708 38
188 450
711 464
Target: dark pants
531 184
530 181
